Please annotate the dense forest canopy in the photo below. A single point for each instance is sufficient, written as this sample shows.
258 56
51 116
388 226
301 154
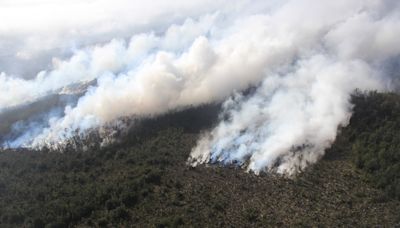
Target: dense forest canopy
144 179
375 135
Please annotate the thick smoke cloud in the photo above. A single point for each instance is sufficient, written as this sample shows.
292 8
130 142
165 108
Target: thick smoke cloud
32 32
305 58
295 114
290 120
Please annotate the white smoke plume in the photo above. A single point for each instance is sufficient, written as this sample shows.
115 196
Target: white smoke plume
33 32
304 57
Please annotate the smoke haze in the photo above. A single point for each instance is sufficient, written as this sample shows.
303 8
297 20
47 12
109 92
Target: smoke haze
304 58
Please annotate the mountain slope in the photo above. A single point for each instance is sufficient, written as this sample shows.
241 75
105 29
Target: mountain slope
144 181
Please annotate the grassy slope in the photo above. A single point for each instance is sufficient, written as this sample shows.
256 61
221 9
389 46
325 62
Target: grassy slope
144 182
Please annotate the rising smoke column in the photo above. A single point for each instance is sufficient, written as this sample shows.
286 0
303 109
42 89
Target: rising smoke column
295 114
289 121
305 58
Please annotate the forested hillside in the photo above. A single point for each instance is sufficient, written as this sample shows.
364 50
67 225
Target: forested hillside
144 180
375 136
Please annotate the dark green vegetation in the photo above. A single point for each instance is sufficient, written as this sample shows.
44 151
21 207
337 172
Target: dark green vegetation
144 181
375 135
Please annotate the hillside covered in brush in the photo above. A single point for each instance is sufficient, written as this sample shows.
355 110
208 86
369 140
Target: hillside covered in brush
144 180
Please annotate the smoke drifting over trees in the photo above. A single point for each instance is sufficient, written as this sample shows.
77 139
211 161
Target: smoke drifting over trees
304 58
